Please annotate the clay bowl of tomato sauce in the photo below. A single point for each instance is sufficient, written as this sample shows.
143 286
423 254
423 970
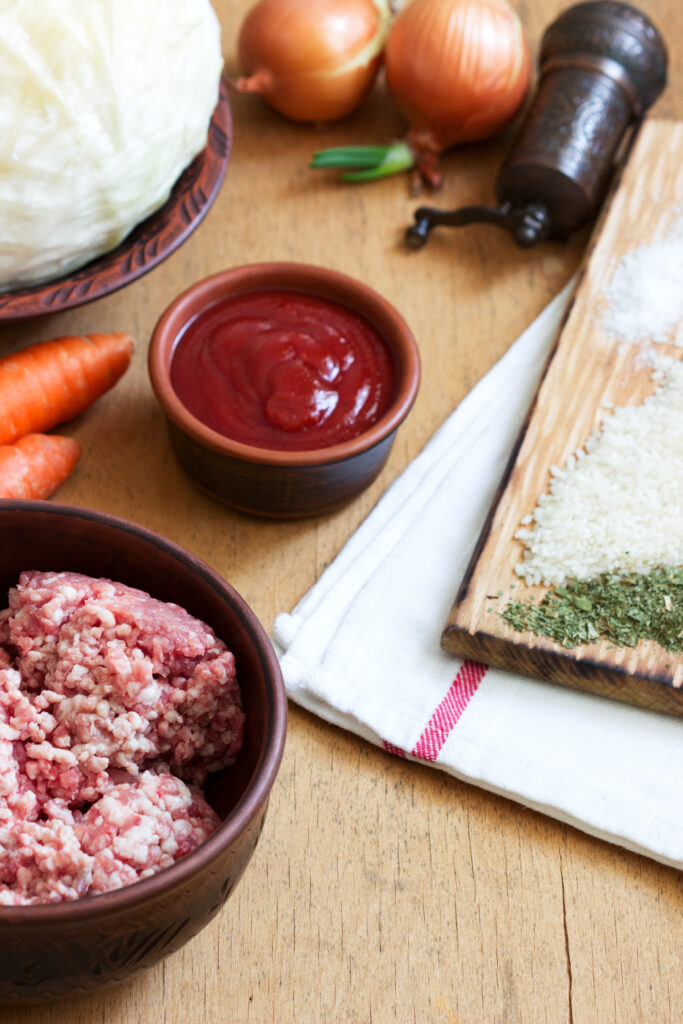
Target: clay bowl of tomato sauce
283 385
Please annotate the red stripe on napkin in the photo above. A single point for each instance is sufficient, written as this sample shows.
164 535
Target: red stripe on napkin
391 749
440 725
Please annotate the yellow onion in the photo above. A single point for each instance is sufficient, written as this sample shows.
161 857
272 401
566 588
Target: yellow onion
458 69
312 60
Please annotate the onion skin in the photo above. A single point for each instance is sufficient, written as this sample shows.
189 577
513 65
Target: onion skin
312 61
458 71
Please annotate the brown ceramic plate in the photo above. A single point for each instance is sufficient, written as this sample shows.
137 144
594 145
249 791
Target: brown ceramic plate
148 244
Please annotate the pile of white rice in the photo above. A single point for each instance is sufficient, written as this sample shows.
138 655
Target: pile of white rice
617 505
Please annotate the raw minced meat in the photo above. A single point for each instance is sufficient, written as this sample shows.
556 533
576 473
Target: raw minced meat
41 862
117 679
135 830
105 691
130 833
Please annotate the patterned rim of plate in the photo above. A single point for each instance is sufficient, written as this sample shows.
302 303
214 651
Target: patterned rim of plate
148 244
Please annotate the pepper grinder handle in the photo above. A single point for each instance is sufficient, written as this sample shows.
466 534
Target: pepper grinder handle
602 65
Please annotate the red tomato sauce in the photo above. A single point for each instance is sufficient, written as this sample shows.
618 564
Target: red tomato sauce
283 370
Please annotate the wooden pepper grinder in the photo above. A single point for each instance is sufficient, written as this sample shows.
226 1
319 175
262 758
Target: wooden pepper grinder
602 65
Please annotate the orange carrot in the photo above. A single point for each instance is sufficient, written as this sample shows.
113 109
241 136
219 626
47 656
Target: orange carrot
53 381
36 465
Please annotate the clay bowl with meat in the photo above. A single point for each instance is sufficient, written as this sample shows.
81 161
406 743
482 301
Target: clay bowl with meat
60 948
304 449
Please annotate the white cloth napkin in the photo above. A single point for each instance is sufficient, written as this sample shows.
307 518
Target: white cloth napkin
361 649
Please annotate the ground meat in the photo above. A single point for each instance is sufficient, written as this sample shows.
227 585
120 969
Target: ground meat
123 680
137 829
41 862
104 691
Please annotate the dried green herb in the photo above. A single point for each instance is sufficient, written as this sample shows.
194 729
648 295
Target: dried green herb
623 609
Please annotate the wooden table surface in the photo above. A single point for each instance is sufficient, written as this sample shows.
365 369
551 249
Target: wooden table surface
381 890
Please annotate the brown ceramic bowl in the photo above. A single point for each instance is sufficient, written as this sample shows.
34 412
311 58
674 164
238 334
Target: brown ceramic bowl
61 948
148 244
261 480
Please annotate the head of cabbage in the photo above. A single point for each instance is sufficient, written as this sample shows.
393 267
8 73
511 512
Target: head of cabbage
103 104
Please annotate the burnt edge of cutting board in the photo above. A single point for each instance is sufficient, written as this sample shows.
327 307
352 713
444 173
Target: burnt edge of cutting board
552 662
559 666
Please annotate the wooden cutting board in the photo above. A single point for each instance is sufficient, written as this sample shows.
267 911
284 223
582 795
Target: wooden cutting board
588 369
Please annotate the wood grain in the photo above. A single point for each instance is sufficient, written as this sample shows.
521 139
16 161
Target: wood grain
381 891
589 371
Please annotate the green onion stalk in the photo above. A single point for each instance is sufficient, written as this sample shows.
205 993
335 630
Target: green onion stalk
370 163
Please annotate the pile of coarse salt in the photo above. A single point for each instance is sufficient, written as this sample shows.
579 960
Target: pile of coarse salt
617 506
643 301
